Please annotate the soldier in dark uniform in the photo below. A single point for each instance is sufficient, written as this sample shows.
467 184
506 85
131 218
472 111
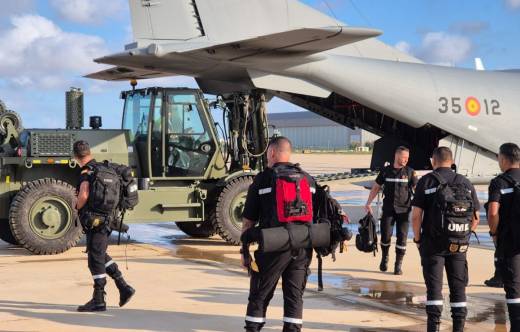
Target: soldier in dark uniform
504 224
99 262
398 181
291 265
436 252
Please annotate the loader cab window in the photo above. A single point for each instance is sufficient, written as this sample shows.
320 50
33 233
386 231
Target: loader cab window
135 116
188 142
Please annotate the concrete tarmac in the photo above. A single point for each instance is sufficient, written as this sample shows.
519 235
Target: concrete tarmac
192 285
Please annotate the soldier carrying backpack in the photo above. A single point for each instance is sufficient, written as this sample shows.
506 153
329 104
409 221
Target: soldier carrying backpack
102 194
504 224
280 196
445 212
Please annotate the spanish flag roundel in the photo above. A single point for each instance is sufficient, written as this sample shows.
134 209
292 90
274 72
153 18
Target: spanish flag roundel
472 106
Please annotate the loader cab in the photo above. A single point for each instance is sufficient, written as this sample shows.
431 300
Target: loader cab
171 130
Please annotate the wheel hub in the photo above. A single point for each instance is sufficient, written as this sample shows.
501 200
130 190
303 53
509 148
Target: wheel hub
50 217
237 208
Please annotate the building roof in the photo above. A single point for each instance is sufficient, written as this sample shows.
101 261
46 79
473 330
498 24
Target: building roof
299 119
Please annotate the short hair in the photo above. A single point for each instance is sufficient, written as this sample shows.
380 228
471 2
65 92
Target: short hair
442 154
278 141
511 152
401 148
81 149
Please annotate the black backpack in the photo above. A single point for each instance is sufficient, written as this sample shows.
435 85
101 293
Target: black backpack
104 190
327 209
366 240
129 195
453 210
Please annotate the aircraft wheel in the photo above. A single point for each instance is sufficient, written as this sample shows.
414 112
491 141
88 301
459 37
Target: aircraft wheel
227 215
43 217
202 230
5 232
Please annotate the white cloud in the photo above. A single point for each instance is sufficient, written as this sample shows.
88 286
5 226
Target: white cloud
514 4
16 7
403 47
440 48
36 52
89 11
444 49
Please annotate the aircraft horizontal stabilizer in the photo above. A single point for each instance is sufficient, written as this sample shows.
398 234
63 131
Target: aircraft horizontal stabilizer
306 41
125 74
293 42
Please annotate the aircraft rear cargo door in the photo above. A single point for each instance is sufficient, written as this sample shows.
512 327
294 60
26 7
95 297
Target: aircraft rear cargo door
165 19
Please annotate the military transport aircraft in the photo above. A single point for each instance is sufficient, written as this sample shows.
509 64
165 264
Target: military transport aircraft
344 73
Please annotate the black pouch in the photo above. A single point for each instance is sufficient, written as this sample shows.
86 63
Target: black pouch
455 247
92 221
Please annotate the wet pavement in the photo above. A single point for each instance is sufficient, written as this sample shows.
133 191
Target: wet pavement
390 295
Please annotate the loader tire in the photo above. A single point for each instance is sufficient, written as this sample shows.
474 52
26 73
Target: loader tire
43 217
227 214
5 232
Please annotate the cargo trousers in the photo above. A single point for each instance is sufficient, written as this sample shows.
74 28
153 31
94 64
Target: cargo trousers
401 229
510 269
456 267
99 262
293 267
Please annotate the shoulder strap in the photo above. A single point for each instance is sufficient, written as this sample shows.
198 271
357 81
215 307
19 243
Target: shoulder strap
439 178
509 179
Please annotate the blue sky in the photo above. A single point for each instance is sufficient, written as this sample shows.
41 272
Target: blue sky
46 46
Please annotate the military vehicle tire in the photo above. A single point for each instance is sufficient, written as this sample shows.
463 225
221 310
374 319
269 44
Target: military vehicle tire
227 215
201 230
5 232
43 218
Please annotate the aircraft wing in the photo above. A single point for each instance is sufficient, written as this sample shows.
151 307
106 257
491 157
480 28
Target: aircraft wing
125 74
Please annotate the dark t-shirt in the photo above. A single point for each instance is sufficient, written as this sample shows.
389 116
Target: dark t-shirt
259 202
425 197
501 191
397 186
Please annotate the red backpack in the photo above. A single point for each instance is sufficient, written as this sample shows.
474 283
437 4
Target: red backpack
292 195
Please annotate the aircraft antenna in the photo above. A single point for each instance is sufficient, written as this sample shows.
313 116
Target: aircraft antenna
331 11
360 13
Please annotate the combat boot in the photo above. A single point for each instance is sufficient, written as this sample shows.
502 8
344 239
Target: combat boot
383 267
458 324
495 281
433 325
125 290
97 303
253 327
290 327
398 264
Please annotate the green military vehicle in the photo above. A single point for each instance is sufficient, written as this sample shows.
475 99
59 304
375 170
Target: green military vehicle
188 171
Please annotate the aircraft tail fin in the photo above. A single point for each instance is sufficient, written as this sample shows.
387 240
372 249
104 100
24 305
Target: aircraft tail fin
165 20
222 21
479 65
